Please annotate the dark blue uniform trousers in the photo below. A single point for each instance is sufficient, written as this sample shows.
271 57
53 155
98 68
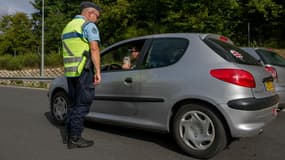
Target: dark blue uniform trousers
81 94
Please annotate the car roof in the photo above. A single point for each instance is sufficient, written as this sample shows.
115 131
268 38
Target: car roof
256 48
251 51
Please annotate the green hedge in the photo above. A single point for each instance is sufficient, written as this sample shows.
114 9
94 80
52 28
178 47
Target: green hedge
4 61
53 60
19 62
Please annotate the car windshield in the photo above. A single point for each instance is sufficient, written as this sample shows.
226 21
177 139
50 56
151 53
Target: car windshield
269 57
230 52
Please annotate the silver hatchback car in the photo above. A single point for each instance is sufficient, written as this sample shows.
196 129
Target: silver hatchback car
198 87
275 64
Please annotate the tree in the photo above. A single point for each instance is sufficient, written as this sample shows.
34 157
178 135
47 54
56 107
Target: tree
263 17
57 14
17 36
123 19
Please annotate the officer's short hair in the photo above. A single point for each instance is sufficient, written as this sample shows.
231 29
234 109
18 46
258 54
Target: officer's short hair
84 5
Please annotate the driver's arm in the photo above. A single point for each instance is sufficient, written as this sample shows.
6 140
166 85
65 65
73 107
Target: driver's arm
126 63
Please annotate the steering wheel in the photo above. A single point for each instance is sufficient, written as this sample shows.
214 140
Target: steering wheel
115 67
111 67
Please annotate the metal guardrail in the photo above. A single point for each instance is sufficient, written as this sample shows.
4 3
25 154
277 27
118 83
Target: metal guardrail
29 78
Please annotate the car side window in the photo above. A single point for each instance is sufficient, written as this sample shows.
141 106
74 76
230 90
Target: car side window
165 51
113 59
270 57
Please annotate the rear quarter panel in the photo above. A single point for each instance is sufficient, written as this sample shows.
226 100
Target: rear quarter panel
189 78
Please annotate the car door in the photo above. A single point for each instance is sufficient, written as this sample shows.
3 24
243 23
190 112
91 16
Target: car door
159 78
119 89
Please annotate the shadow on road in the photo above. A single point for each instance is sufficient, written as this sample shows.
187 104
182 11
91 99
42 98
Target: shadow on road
59 127
162 139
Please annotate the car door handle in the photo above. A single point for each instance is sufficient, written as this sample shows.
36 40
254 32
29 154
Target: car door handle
129 80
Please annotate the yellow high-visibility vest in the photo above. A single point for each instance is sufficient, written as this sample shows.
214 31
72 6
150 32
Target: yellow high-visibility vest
74 45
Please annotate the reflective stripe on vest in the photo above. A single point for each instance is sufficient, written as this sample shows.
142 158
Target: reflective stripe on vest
67 49
70 69
72 59
74 45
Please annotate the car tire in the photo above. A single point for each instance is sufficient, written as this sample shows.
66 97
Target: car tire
59 105
199 131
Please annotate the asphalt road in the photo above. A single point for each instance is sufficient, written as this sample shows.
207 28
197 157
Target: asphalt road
26 133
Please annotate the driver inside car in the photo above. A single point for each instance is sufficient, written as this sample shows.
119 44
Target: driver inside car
129 61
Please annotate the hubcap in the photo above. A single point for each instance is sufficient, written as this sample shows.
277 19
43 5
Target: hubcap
60 108
197 130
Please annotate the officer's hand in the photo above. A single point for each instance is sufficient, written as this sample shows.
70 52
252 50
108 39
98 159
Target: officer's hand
97 79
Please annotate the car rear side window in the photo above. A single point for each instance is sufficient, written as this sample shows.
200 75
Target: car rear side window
230 52
272 58
165 51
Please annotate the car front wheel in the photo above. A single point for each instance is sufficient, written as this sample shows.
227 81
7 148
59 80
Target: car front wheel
59 105
199 131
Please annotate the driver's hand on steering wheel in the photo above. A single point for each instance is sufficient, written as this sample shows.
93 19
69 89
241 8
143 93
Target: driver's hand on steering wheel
126 66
